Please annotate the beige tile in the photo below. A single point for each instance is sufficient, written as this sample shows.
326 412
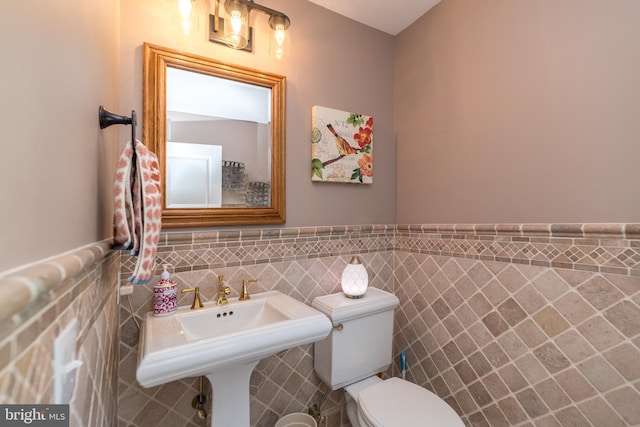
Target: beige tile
551 358
453 381
575 385
531 368
452 298
480 334
512 410
495 386
530 299
571 417
452 325
452 352
495 355
574 308
494 292
626 317
600 333
625 359
551 321
466 344
480 393
512 378
626 402
480 364
512 345
600 373
574 346
530 333
551 285
465 286
466 402
511 312
478 419
531 402
465 315
480 274
599 413
441 308
512 278
494 416
599 292
552 394
466 373
479 304
495 323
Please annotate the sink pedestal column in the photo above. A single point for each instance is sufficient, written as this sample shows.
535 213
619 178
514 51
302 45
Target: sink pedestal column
230 402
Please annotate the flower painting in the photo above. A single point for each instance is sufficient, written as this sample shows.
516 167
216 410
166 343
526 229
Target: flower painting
341 146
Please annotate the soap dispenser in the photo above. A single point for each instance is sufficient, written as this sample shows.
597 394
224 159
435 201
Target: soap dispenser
165 301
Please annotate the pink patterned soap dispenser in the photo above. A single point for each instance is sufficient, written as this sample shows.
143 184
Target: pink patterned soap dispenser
165 301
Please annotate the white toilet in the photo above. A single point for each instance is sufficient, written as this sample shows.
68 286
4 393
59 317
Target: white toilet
358 348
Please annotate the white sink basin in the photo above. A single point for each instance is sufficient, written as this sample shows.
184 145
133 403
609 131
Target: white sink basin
225 343
229 319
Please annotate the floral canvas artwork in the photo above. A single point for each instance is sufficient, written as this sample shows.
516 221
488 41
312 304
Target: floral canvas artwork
341 146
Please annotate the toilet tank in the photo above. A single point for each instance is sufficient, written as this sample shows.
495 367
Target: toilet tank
363 345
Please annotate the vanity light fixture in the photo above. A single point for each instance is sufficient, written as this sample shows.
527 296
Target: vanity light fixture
229 25
355 279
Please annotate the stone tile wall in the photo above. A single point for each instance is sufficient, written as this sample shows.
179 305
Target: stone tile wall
530 324
301 262
39 301
520 328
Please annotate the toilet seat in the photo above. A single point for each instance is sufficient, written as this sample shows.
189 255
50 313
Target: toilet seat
399 403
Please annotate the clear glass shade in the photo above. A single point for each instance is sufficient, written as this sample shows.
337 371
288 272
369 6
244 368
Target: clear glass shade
279 44
355 279
236 25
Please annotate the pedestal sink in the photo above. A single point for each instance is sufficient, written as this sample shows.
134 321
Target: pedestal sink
225 343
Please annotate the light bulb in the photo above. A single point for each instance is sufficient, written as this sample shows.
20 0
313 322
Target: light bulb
185 8
280 34
236 21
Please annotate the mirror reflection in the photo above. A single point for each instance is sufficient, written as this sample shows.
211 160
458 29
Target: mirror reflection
218 153
218 132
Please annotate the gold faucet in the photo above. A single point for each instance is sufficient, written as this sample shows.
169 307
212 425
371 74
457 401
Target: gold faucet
244 295
196 299
223 291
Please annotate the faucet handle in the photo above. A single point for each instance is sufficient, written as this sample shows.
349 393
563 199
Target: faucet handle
244 295
223 291
197 303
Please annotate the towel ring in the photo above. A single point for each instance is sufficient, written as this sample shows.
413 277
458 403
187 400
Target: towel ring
107 118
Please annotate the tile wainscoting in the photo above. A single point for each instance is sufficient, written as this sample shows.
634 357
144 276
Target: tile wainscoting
39 301
532 324
301 262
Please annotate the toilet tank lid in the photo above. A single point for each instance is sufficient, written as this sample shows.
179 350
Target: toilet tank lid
339 308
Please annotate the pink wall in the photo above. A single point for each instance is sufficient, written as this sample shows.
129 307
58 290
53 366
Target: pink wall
519 112
334 62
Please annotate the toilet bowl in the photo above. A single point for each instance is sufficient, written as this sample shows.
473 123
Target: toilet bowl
398 403
358 348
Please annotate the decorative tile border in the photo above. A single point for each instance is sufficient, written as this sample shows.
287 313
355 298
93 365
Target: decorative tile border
603 248
218 249
610 248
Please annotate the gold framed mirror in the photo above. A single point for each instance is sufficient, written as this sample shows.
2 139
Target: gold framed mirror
219 133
